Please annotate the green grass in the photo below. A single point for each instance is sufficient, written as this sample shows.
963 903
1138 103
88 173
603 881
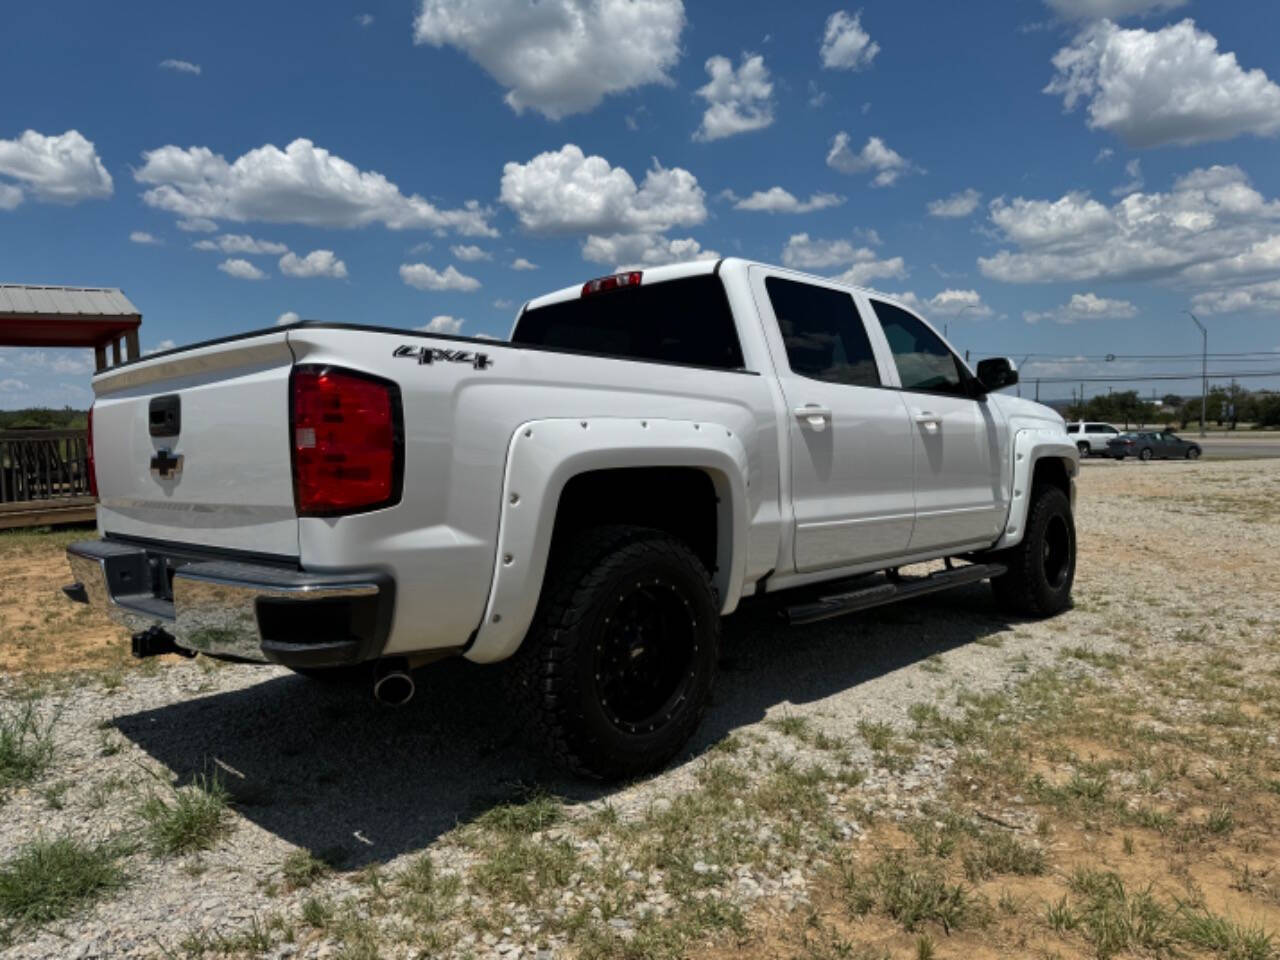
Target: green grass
26 746
47 879
192 818
912 892
302 868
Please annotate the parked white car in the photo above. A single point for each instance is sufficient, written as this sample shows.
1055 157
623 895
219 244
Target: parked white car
586 500
1091 439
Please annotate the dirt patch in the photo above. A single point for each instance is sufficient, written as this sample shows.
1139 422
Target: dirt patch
41 631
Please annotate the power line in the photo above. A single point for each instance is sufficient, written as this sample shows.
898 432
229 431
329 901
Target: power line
1259 355
1135 377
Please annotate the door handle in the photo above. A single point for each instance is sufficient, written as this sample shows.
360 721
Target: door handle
814 416
930 421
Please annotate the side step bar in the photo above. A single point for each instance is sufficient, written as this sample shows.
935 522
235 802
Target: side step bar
890 591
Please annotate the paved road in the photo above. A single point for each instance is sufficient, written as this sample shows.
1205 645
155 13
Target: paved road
1232 448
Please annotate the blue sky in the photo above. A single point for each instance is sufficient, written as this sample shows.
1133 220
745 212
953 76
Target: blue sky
1055 177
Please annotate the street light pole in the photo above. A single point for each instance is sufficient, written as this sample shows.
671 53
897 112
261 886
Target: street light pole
1204 368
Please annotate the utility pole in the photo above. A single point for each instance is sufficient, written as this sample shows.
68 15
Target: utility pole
1204 369
946 326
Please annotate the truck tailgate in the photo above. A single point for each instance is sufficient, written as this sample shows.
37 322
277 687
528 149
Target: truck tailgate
221 475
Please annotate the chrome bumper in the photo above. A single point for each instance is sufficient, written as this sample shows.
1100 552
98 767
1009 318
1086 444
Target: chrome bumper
242 611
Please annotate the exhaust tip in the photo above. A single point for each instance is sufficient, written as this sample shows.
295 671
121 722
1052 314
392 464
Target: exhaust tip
394 689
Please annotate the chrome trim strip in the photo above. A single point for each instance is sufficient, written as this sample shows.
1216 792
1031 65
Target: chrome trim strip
214 609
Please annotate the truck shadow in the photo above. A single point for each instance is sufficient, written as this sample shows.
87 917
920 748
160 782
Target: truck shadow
327 769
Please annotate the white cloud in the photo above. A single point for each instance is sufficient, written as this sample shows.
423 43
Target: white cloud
241 269
469 252
957 205
1213 226
1261 297
738 101
10 196
41 365
805 253
141 236
428 278
861 274
287 318
1106 153
559 56
160 347
444 324
12 385
503 304
364 19
862 263
180 66
1110 9
1168 86
1134 169
301 184
778 200
240 243
876 156
564 191
643 250
62 169
317 263
1084 306
520 263
197 225
947 303
845 45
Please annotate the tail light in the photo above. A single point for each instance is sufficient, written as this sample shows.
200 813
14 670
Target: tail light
348 441
614 282
89 462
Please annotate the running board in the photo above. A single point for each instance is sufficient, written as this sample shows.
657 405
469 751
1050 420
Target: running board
891 591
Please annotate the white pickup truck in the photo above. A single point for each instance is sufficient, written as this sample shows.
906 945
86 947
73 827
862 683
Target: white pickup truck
585 500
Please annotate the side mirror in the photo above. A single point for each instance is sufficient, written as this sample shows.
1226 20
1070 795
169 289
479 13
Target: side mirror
996 372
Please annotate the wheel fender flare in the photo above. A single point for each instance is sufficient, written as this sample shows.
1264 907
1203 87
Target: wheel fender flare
544 455
1030 446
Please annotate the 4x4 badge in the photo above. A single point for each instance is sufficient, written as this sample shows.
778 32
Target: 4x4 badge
425 355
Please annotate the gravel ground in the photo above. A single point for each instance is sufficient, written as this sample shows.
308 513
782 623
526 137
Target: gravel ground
323 768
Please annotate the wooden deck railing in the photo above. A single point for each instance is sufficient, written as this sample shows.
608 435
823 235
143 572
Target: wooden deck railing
43 465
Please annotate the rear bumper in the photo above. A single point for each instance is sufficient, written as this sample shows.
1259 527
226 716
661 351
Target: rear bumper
234 610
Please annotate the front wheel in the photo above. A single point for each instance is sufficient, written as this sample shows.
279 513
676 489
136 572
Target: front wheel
1042 568
1193 453
617 669
1083 448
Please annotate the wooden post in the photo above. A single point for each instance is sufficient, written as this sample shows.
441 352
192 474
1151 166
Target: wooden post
99 357
131 338
115 352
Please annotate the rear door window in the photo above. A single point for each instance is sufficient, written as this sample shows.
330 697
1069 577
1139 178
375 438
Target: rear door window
924 361
685 321
823 334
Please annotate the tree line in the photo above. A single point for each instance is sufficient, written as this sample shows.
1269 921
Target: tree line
43 418
1224 406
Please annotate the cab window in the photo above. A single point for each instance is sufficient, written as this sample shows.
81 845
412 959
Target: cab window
824 336
924 361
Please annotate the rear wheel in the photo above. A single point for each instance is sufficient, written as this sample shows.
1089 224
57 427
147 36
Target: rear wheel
1144 453
1042 568
617 669
1083 448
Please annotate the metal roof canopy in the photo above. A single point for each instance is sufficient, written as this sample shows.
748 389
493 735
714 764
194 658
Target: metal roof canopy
44 316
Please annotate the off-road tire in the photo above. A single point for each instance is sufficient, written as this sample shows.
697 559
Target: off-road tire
1042 567
557 673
